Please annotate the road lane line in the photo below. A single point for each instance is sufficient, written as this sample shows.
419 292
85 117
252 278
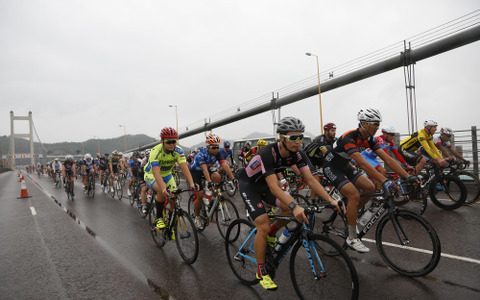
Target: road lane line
34 212
467 259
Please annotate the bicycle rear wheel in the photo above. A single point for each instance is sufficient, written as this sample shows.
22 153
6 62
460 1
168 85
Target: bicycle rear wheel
472 183
419 252
118 189
91 189
239 250
447 192
225 214
316 275
186 237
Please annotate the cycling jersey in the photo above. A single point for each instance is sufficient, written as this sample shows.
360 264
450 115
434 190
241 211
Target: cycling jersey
134 165
371 156
115 164
438 141
57 166
68 165
227 154
336 165
421 138
314 150
165 160
88 164
248 155
103 163
205 158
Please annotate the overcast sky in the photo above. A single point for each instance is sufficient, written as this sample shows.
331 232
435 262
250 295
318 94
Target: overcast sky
85 67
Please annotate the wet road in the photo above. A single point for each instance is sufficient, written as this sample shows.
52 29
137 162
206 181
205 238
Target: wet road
103 249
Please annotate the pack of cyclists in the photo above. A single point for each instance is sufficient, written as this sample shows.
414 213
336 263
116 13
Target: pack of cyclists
260 181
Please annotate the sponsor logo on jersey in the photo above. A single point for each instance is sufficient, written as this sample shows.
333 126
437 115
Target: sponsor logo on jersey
255 165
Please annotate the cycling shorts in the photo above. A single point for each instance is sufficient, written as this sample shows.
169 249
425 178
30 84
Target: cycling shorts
102 167
253 194
134 172
340 174
169 181
413 158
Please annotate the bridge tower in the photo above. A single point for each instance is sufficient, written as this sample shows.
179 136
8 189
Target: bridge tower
13 135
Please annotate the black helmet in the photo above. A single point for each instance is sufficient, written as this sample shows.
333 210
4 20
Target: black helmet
290 124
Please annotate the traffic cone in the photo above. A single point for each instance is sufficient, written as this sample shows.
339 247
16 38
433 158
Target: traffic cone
23 192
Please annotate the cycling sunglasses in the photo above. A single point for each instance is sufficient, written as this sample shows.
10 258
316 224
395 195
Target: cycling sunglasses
294 138
214 147
374 123
170 142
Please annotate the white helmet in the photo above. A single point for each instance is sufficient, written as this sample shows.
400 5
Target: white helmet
446 131
87 156
388 129
56 158
369 115
430 123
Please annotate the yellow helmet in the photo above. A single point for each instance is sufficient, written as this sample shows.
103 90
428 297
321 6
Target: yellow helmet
261 143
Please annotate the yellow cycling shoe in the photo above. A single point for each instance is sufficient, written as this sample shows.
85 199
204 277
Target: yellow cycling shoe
267 283
271 240
160 224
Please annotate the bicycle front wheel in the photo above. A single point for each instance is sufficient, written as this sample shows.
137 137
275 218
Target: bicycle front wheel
472 183
157 234
226 212
186 237
119 190
447 192
239 249
417 252
316 275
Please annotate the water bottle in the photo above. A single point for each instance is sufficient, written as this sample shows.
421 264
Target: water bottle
207 197
366 217
282 239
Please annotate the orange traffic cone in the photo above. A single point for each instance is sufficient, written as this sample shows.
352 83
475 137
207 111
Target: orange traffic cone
23 192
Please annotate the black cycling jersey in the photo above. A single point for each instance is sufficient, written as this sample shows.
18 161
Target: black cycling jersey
314 150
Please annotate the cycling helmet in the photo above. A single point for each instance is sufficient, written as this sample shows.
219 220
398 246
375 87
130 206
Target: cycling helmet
369 115
329 126
226 144
212 139
147 152
430 123
446 131
261 143
87 156
120 153
115 152
290 124
248 143
56 158
388 129
69 156
106 154
136 154
168 133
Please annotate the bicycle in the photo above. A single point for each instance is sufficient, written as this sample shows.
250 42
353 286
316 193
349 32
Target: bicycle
175 175
471 181
58 179
314 273
117 188
223 208
135 195
91 185
228 186
179 227
407 243
69 188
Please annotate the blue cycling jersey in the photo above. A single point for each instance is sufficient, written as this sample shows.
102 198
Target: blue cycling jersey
205 158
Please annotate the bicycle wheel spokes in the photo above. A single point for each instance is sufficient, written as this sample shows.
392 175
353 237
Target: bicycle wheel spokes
186 237
226 213
316 275
239 250
418 251
157 235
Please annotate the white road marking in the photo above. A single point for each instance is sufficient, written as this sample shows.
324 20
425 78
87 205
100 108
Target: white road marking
34 212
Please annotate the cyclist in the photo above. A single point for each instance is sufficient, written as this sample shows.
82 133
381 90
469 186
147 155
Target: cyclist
385 141
103 165
115 163
158 170
409 147
56 168
88 166
201 169
243 151
69 170
227 153
347 179
133 166
316 150
258 182
248 155
442 142
143 160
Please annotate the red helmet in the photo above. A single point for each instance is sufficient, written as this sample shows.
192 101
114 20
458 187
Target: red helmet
329 126
212 139
168 133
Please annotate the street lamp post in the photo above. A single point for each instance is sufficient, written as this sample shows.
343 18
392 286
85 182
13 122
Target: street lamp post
98 143
176 116
319 92
125 136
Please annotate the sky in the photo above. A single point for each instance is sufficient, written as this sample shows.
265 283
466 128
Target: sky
87 68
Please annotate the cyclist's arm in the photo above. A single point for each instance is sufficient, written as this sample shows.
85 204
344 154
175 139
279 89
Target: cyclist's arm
456 154
206 174
228 170
110 166
318 188
358 157
444 151
389 161
434 149
429 146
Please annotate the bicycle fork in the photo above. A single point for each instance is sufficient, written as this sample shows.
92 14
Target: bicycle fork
398 228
